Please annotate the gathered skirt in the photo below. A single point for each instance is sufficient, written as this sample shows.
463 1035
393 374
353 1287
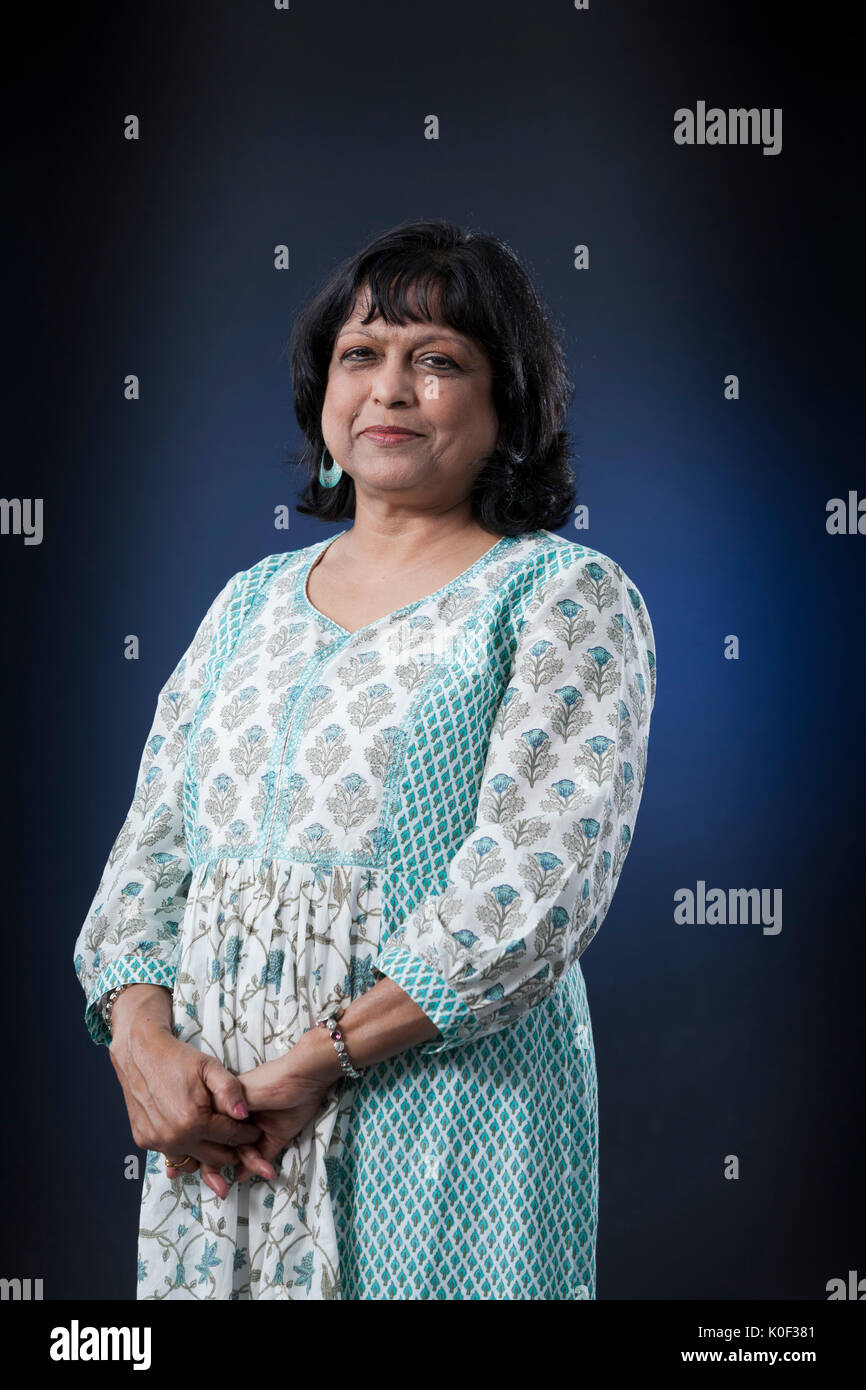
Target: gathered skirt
468 1173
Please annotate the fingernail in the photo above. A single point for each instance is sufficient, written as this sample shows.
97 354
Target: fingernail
241 1110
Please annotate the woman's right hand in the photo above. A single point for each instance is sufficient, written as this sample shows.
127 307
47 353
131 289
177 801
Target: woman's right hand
172 1089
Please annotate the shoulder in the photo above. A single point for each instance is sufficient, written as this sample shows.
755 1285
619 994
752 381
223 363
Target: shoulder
556 568
281 562
579 595
248 587
243 586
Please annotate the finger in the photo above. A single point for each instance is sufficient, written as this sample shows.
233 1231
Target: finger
226 1089
252 1161
215 1180
174 1170
215 1155
269 1146
219 1129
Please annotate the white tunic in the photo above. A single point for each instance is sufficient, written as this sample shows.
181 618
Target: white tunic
447 797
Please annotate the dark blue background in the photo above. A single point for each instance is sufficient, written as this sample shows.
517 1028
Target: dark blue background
155 257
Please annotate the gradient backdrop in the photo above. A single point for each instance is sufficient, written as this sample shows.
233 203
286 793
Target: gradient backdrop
306 127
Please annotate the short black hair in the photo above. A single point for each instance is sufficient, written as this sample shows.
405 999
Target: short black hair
484 292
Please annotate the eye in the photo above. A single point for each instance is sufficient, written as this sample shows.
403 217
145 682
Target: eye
447 361
439 360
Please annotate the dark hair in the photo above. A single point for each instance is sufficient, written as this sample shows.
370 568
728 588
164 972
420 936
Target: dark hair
527 482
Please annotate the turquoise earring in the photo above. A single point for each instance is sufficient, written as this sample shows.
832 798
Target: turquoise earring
333 474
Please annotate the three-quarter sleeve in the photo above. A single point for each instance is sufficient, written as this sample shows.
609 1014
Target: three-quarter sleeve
130 933
562 781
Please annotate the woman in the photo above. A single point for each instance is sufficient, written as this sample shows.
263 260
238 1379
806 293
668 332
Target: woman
396 772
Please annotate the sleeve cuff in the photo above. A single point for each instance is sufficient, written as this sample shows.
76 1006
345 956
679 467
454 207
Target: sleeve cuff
126 970
434 996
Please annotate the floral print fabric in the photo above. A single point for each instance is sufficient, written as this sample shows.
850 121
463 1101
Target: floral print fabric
446 797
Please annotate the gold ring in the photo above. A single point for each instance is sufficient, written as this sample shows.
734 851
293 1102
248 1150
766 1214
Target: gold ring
176 1162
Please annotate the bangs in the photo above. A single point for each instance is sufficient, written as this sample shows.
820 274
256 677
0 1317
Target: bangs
423 291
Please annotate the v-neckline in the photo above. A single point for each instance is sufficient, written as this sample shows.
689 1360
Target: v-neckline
503 543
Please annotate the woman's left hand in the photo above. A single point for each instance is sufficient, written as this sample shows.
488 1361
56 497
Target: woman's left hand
283 1096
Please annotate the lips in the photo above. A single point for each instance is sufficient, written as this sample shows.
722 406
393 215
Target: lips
387 432
384 437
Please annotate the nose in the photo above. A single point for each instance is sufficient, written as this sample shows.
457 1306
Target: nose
392 382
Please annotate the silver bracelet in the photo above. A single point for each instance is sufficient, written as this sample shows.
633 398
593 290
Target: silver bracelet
108 1003
330 1021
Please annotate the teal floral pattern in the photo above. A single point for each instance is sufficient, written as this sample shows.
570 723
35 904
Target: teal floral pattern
445 797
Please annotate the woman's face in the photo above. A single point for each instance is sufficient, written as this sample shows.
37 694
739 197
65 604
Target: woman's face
424 377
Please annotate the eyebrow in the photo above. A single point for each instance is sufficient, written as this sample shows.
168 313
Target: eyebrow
418 342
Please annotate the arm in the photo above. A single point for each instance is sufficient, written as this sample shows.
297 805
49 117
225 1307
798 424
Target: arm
130 936
532 882
130 932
